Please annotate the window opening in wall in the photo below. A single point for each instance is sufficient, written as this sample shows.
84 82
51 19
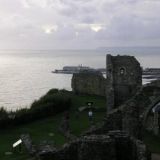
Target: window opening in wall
122 71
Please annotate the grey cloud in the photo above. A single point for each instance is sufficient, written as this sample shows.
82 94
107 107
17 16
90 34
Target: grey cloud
121 22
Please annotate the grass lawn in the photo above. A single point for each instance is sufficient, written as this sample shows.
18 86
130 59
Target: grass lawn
40 130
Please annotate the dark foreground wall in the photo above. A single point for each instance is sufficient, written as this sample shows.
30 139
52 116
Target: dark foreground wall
115 145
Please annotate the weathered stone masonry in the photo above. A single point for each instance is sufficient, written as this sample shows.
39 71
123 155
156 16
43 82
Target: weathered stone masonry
87 82
124 78
135 115
115 145
117 138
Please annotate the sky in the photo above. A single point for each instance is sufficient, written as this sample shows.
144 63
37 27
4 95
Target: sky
78 24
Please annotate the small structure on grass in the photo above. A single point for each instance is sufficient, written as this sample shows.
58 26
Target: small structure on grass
17 144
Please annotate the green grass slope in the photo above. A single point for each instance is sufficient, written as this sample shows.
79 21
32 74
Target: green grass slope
47 129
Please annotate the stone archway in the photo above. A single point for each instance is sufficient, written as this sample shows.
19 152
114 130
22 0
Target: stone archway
155 116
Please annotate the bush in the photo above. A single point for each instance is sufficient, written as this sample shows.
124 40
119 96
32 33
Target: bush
3 113
52 91
52 103
4 120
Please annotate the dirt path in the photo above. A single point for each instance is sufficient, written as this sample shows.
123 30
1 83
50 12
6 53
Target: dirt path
155 156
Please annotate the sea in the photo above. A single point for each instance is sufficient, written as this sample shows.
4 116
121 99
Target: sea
26 75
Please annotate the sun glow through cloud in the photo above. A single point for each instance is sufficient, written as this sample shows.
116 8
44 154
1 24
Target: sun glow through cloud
50 29
93 27
96 27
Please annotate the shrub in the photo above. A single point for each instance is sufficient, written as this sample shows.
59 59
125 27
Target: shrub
4 120
52 103
3 113
52 91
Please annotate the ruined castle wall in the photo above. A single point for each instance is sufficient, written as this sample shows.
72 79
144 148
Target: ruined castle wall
110 93
89 83
124 78
132 71
134 115
104 143
125 118
115 145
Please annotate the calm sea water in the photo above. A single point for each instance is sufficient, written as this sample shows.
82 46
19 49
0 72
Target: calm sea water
25 75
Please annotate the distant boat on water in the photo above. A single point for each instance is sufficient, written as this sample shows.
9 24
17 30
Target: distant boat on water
77 69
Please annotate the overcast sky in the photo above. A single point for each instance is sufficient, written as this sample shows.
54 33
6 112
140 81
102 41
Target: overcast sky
78 24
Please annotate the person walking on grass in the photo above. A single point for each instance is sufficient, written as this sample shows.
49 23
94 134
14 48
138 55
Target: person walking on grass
90 116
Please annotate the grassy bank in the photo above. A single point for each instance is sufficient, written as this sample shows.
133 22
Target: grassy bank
54 102
47 129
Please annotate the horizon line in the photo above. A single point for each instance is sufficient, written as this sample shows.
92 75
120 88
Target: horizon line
98 48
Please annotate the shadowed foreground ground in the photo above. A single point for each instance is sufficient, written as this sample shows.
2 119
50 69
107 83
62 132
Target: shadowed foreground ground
155 156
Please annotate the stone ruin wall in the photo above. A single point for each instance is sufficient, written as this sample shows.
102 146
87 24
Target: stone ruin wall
124 78
110 140
113 139
115 145
89 83
117 88
151 120
133 115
